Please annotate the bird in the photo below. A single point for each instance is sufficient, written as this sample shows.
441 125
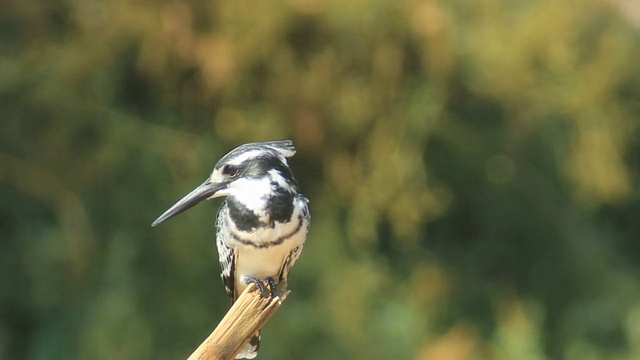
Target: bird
261 226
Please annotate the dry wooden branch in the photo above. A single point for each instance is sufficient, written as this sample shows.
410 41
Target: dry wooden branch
247 315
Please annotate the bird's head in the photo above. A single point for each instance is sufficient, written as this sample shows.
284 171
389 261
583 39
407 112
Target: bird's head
250 171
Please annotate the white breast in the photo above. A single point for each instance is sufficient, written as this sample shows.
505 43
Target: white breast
263 262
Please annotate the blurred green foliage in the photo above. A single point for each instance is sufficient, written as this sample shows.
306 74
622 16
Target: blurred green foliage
472 169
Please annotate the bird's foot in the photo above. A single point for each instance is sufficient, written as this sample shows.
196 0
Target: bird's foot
265 291
272 286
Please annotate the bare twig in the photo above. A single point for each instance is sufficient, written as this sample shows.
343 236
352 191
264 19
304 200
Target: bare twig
247 315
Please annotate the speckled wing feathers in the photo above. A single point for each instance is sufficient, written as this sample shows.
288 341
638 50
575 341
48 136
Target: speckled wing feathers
226 254
226 257
293 256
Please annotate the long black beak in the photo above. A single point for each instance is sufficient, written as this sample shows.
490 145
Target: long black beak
205 191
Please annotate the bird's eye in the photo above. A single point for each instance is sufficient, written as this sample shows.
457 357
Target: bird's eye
230 170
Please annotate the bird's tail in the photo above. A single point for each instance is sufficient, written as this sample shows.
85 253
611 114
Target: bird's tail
250 349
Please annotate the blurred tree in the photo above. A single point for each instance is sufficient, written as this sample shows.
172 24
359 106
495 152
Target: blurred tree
472 169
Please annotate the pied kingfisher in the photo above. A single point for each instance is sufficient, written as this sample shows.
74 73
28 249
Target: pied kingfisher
263 223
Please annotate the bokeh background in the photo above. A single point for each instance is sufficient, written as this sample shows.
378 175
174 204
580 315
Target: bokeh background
473 170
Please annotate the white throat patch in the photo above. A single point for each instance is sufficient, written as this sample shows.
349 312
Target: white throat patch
252 193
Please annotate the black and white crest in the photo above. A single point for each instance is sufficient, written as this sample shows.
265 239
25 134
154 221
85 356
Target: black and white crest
281 149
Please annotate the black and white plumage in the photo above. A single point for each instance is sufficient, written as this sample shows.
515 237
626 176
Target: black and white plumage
262 224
